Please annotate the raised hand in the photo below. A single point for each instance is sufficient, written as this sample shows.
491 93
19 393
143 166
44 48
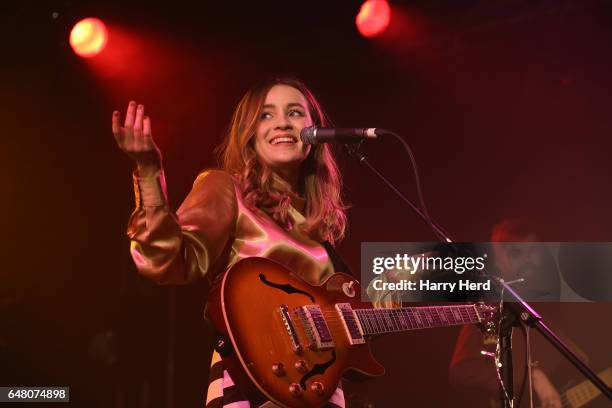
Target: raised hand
135 139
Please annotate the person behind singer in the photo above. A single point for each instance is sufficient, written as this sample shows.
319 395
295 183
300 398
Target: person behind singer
472 374
274 197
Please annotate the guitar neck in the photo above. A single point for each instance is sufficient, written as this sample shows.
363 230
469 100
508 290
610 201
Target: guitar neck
583 393
394 320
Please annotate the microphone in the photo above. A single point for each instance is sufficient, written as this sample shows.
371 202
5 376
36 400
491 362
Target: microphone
316 135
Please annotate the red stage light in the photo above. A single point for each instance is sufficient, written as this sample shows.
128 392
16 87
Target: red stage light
373 18
88 37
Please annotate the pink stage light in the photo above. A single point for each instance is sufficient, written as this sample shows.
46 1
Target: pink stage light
373 18
88 37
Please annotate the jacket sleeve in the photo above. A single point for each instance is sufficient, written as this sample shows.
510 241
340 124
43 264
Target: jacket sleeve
178 248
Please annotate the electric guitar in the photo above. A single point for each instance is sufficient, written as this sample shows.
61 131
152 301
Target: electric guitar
583 393
289 342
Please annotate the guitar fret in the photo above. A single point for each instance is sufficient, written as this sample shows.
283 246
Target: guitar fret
373 321
363 320
423 314
409 318
458 316
473 315
444 316
430 317
392 320
396 322
417 319
379 321
409 322
462 313
426 318
370 326
404 319
441 318
388 321
469 313
400 319
423 317
368 316
383 320
449 315
435 316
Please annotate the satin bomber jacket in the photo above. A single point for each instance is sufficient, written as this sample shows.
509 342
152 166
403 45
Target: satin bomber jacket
212 230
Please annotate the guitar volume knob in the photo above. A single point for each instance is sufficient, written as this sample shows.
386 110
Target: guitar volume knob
278 369
301 366
348 288
295 389
317 387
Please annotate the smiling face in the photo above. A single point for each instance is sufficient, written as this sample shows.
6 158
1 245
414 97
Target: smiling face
277 138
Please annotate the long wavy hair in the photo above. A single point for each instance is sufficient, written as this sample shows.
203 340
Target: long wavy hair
320 181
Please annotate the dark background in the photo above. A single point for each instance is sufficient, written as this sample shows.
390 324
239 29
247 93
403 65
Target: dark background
505 103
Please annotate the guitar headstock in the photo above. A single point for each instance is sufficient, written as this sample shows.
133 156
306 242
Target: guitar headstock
488 316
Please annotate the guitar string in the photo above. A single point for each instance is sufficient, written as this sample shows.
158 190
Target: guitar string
332 315
469 311
404 323
407 310
422 321
435 320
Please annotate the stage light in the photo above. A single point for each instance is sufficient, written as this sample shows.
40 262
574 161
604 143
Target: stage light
373 18
88 37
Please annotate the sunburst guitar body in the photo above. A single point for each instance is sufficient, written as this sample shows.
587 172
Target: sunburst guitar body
288 342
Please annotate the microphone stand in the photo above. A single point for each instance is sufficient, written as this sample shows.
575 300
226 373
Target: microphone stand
438 230
506 374
519 310
524 313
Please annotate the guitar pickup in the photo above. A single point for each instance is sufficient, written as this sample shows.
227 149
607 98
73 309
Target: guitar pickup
351 323
315 326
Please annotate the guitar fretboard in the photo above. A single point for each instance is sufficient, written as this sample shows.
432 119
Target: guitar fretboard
581 394
380 321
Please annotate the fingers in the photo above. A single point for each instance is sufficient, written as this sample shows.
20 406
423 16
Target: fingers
138 142
116 127
135 138
129 117
147 137
129 123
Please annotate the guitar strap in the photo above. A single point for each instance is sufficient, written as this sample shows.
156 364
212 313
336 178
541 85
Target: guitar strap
337 261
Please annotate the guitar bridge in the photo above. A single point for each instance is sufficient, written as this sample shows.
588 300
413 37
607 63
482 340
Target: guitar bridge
293 337
315 326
